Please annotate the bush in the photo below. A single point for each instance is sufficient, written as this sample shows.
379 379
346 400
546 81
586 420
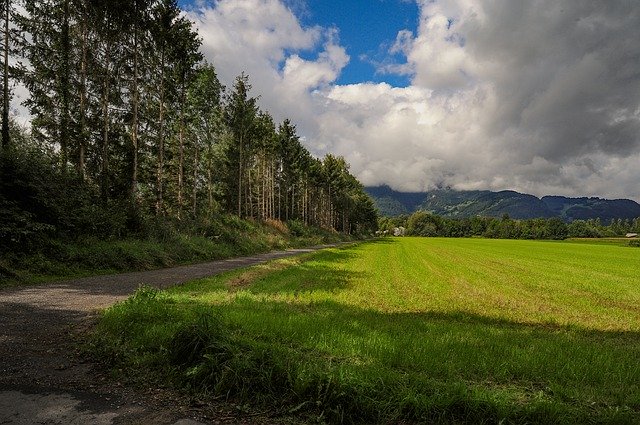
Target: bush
635 243
297 228
40 201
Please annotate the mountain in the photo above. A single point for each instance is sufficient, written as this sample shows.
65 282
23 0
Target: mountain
585 208
454 203
394 202
451 203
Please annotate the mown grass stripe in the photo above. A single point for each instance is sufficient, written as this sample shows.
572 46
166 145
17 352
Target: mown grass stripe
430 330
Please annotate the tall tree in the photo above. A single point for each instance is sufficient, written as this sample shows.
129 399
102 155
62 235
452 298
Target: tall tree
239 115
185 56
6 14
138 19
49 54
205 112
165 15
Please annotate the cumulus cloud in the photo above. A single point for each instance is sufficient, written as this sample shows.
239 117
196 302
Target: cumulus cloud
264 39
541 97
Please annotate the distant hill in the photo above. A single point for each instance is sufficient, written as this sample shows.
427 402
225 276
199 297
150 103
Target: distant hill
585 208
454 203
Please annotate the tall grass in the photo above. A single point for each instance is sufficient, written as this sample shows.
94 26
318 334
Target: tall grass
164 246
426 330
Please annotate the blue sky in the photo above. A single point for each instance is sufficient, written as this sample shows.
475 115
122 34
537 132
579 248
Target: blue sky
366 29
540 97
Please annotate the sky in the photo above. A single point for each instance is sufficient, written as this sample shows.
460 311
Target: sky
537 96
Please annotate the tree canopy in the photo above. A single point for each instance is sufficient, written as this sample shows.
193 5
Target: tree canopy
122 100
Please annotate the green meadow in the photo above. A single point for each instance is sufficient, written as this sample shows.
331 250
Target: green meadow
409 330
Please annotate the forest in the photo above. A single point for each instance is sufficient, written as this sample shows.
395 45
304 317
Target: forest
422 223
131 128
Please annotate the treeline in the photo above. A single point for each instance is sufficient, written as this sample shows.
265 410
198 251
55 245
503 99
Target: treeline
125 106
422 223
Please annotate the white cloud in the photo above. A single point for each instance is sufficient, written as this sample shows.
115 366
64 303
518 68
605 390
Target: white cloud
542 97
264 39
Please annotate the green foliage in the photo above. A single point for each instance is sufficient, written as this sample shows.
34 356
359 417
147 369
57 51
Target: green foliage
555 228
582 229
160 245
635 243
421 223
119 95
42 202
297 228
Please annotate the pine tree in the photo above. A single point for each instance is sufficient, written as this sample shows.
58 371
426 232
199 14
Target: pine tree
49 55
205 112
185 56
8 15
165 21
239 115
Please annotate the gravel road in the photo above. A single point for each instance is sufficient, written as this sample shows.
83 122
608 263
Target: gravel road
43 379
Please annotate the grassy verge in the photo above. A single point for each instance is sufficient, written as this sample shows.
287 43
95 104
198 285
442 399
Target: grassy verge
227 237
402 330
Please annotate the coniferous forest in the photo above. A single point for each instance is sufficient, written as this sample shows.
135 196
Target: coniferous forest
131 127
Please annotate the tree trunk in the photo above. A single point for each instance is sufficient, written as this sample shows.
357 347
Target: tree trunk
65 87
134 123
181 150
240 180
195 180
210 175
83 99
105 126
160 169
6 138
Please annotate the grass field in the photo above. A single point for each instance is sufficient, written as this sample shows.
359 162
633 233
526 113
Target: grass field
410 330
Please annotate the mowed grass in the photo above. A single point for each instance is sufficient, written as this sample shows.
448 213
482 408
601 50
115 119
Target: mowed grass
413 330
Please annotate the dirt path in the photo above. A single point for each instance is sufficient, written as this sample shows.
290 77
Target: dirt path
43 380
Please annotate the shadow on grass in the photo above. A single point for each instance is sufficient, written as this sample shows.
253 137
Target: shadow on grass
359 365
457 366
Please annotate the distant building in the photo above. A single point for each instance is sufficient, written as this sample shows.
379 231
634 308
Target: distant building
631 235
398 231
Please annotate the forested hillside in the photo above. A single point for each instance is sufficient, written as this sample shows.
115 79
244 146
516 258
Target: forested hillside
132 135
484 203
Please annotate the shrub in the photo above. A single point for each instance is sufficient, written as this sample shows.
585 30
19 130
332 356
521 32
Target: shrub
297 228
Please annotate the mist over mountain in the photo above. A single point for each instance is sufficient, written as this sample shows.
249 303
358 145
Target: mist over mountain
460 204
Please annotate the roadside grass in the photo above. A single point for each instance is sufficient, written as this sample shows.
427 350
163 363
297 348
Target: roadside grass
228 237
402 330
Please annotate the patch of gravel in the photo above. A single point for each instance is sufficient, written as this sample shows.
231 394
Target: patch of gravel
44 380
